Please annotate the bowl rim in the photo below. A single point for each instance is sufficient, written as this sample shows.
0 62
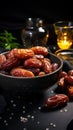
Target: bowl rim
36 77
63 50
63 24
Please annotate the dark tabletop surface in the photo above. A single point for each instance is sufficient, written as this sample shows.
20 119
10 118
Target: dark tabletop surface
27 112
30 114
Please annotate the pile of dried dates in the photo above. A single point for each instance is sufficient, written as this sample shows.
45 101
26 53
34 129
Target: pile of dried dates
65 83
65 87
27 62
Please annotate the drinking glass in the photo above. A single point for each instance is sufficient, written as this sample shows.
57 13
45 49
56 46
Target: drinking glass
64 32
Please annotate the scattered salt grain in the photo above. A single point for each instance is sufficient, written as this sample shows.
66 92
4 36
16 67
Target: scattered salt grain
12 114
61 110
6 124
52 91
32 117
38 122
0 117
10 117
51 123
11 101
28 116
14 105
23 119
47 129
23 112
65 110
5 121
23 107
39 108
54 125
24 128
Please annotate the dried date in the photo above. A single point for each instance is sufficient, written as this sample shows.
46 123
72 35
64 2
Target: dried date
54 66
23 53
57 100
70 72
2 58
33 59
46 66
10 54
34 70
20 72
70 92
9 63
39 50
65 82
61 83
69 79
41 73
63 74
32 63
40 57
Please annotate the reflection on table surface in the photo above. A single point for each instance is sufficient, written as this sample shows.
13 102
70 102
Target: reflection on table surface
28 112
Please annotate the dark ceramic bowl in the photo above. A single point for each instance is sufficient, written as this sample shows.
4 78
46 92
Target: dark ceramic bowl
27 85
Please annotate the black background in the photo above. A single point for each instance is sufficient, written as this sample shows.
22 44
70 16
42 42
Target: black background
13 14
49 9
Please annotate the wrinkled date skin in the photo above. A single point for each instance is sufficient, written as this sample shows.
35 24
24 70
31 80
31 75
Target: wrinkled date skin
20 72
70 92
40 50
41 73
40 57
32 62
23 53
46 66
34 70
2 58
11 53
54 66
9 63
63 74
65 82
56 101
61 83
70 72
69 79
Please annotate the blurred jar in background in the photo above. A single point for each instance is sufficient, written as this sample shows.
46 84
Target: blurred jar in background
34 33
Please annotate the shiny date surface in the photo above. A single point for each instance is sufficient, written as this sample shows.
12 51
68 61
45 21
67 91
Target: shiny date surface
33 59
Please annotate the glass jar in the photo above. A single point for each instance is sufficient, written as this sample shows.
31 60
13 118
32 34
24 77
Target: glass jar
34 33
64 32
